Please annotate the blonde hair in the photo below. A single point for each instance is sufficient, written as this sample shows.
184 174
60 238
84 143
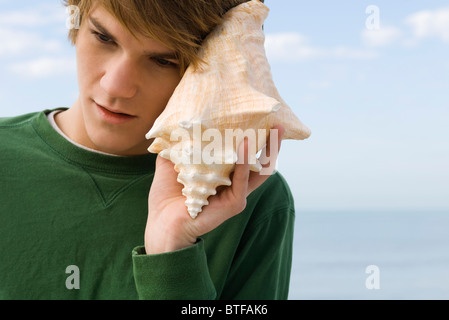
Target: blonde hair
181 25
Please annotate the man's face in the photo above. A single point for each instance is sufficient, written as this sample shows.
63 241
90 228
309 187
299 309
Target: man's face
124 84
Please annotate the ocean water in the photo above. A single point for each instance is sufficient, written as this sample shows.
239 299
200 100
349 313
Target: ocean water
408 249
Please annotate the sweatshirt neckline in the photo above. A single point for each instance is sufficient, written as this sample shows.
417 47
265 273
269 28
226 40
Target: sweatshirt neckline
89 159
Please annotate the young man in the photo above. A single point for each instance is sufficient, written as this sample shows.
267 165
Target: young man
78 219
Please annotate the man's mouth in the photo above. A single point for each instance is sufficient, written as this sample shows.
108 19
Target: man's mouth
113 116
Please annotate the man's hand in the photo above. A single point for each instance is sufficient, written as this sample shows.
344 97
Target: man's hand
170 227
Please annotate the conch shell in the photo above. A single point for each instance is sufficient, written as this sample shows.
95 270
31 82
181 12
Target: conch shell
232 91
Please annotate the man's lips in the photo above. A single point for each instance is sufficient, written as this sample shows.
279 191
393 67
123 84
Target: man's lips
112 110
113 116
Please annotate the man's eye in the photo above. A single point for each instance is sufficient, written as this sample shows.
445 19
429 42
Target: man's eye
165 63
102 37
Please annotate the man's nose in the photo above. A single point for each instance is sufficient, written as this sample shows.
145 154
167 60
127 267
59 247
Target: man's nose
120 78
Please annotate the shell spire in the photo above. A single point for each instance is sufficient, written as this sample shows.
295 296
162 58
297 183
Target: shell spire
216 105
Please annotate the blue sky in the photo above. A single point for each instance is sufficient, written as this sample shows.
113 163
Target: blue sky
376 101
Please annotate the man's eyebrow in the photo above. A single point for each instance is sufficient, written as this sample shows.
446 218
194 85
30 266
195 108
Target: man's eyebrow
101 29
152 54
161 55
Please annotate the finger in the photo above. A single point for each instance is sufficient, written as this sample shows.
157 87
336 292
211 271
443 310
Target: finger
268 158
165 177
165 166
240 177
232 199
270 154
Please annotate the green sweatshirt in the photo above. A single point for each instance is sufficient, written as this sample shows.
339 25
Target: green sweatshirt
72 226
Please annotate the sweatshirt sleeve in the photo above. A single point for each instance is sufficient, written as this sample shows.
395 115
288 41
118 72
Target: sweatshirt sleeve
163 276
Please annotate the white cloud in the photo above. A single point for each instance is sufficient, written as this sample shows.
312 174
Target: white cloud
381 37
343 52
24 31
430 23
44 67
290 46
16 42
422 24
294 47
34 16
